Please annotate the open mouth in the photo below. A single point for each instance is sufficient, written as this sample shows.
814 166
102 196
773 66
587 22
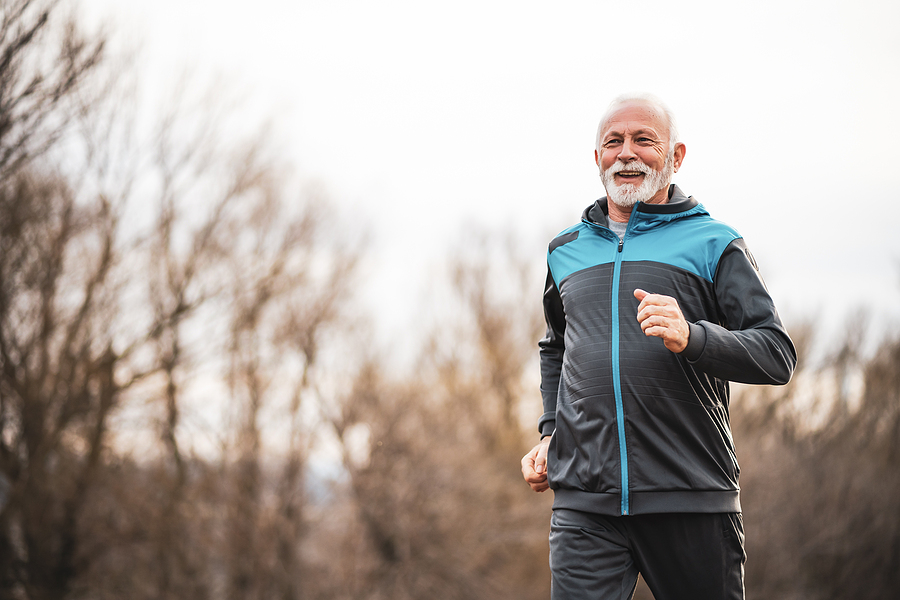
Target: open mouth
629 174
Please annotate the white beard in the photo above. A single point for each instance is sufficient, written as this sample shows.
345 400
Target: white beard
629 194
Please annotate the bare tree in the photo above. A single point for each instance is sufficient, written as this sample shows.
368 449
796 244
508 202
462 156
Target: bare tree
42 66
114 332
820 474
438 506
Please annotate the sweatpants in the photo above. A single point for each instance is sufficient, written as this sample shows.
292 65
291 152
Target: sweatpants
689 556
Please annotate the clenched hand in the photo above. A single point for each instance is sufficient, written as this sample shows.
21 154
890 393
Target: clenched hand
661 317
534 466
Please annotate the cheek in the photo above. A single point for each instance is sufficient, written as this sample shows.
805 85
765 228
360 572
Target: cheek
655 158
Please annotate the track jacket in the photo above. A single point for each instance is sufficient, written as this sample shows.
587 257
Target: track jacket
637 428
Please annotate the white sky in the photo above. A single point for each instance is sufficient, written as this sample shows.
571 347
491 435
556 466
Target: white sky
422 118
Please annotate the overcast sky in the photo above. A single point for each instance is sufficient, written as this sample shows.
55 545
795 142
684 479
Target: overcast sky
423 118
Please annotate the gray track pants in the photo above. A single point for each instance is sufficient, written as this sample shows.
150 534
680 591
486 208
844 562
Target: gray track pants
690 556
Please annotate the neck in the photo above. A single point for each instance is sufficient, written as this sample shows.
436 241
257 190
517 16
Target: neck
618 213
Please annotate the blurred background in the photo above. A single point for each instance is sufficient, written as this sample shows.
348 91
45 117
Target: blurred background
270 284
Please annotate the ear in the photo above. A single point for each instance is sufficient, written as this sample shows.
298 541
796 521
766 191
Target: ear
597 157
680 151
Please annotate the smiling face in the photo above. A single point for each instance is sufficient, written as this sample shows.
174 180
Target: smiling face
633 154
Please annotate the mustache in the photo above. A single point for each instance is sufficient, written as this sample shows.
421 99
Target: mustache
634 165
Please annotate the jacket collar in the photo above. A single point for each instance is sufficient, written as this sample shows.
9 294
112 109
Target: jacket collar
598 212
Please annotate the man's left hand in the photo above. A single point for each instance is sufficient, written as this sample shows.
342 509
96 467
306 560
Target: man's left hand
661 317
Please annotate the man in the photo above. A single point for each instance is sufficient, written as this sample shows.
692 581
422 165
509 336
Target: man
652 307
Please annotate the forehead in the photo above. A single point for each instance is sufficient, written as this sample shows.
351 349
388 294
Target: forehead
635 116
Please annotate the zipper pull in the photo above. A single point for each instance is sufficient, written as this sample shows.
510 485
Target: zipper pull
621 243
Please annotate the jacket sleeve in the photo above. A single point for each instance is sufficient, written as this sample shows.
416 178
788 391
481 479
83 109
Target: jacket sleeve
552 347
749 344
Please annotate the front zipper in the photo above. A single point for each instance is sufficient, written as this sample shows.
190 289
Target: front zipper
617 383
625 502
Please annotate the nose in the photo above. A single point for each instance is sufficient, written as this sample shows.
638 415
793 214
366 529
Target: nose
626 152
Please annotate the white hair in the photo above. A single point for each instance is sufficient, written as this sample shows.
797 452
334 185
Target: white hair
655 103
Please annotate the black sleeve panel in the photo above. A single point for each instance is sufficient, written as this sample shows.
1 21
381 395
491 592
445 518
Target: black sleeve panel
750 344
552 347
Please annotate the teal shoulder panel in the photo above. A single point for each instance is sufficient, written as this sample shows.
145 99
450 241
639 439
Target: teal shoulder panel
591 246
694 244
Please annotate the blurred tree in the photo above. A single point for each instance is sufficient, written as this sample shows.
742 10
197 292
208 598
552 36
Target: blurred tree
822 475
140 283
439 506
41 72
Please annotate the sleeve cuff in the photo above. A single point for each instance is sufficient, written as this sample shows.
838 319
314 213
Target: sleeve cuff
696 342
547 424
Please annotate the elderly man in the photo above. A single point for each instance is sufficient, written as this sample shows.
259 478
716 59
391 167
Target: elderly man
652 307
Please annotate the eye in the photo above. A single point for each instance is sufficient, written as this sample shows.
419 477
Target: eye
611 142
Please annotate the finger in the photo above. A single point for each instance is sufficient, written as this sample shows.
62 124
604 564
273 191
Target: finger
536 480
646 298
653 314
655 320
667 311
541 487
540 463
648 303
656 331
658 302
660 322
528 465
673 336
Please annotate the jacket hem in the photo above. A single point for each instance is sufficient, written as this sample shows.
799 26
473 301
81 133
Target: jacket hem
727 501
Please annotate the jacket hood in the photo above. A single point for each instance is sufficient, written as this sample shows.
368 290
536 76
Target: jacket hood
678 204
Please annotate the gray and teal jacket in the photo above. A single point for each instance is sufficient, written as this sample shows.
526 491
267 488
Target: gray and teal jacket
636 428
